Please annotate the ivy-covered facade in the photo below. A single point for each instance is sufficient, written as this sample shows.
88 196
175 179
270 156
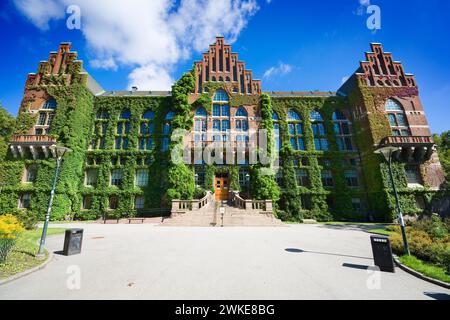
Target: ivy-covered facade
320 144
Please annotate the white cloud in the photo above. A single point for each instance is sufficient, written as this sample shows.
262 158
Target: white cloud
280 70
151 36
40 12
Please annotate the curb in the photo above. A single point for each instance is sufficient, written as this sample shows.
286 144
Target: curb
420 275
29 271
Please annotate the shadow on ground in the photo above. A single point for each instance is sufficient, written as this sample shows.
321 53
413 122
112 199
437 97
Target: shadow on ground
353 227
437 296
296 250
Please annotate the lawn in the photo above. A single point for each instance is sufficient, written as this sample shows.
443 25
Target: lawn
23 256
427 269
382 232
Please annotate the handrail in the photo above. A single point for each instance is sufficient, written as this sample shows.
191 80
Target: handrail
28 138
182 206
255 205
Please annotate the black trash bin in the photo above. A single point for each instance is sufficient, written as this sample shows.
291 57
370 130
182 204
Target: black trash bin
382 253
73 242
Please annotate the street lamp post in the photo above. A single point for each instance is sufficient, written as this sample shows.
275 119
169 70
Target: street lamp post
247 178
387 153
59 153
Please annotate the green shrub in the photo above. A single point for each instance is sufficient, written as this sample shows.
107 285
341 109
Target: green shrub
10 229
434 227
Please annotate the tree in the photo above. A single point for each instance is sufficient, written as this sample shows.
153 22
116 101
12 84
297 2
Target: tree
443 146
7 122
7 127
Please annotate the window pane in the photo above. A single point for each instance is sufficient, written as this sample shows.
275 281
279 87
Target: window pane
301 144
392 120
294 143
292 129
299 128
401 120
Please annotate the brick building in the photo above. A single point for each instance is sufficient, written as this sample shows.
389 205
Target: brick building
122 140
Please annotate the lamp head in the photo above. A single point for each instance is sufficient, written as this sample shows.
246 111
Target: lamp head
59 151
387 152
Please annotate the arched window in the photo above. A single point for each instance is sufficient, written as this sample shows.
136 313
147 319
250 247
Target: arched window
147 129
148 115
45 118
221 96
295 128
201 112
342 130
170 116
102 115
200 125
294 116
316 116
125 115
50 105
242 121
221 116
397 118
241 112
318 127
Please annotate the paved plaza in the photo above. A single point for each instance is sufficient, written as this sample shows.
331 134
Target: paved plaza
151 262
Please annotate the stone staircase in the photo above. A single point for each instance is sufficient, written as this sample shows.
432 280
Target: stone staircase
211 216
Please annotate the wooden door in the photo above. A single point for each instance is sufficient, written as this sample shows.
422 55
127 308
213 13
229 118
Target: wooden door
222 189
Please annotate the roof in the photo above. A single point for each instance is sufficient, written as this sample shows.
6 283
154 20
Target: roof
293 94
136 94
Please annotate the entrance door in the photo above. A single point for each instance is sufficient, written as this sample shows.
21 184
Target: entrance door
222 189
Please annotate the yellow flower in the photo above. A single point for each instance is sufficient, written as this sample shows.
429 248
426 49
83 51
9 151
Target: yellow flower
10 227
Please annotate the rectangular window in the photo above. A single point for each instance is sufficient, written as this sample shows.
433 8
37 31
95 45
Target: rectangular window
225 125
327 178
139 202
165 144
149 144
118 143
216 111
302 178
144 128
113 203
42 118
91 177
87 202
50 118
39 132
141 144
125 143
216 125
413 175
120 128
243 180
25 201
357 205
351 176
167 129
141 178
116 177
31 173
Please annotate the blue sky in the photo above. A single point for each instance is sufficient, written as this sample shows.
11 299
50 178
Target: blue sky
307 45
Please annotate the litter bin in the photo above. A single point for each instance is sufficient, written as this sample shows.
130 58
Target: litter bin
73 241
382 253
